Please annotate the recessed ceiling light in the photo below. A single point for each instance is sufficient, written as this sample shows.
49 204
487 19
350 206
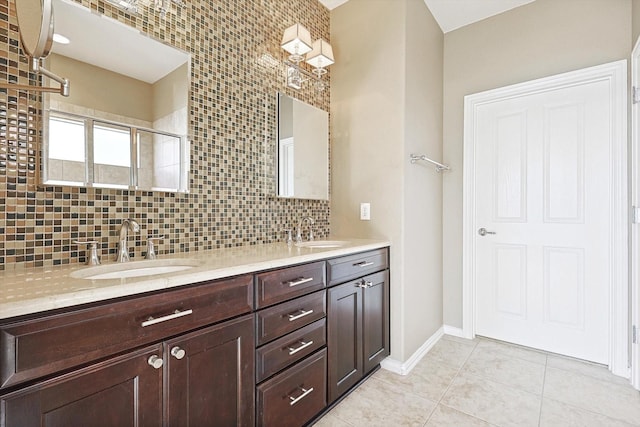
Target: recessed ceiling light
59 38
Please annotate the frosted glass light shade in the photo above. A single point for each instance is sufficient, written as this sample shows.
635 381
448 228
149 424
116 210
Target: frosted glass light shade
296 40
321 55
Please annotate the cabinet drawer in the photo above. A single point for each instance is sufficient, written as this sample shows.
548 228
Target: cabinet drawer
280 353
287 283
276 321
340 270
38 347
293 397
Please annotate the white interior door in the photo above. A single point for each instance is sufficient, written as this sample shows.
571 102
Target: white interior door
543 185
635 226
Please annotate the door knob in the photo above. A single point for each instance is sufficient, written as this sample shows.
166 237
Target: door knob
483 232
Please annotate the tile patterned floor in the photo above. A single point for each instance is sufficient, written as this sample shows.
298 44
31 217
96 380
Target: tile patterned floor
488 383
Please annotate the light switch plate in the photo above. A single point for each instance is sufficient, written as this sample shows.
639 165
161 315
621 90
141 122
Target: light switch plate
365 211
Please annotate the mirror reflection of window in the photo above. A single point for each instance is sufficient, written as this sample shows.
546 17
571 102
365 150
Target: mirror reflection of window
66 150
286 167
111 155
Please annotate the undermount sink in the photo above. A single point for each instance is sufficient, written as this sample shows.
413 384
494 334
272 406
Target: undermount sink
135 269
324 244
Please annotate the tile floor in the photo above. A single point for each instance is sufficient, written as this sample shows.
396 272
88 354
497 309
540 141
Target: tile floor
489 383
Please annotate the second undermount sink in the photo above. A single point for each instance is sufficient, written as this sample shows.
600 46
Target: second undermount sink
135 269
324 244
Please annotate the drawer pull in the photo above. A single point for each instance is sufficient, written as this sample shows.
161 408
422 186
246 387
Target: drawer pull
364 284
152 321
363 264
155 362
299 281
293 317
295 400
303 345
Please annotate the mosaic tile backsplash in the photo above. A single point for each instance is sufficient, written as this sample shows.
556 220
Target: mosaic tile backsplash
233 44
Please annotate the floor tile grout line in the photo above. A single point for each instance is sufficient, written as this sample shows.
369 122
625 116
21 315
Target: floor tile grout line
517 347
580 408
595 377
544 380
449 386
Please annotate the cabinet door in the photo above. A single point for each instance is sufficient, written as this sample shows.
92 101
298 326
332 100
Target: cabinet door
344 337
375 319
210 376
125 391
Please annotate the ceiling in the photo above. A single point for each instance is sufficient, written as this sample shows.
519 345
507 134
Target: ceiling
106 43
453 14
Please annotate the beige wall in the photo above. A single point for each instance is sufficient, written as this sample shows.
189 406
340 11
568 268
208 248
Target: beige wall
385 102
103 90
422 184
168 92
539 39
635 5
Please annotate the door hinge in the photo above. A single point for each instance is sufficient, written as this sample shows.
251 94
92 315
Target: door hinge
635 95
635 215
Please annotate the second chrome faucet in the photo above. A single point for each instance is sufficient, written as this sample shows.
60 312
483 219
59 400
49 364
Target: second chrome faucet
310 221
123 248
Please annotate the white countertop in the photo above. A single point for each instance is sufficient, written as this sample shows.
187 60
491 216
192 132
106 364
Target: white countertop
40 289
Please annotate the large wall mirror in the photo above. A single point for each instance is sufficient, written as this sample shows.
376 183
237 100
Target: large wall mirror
125 123
303 150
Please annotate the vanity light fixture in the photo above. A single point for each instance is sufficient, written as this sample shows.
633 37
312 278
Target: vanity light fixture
321 56
161 6
297 41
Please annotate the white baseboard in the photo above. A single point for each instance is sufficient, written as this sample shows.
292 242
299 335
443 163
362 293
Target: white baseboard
400 368
453 331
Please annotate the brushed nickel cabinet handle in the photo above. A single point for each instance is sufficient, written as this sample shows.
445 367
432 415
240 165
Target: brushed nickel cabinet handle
363 264
304 394
155 362
152 320
303 313
178 353
299 281
294 350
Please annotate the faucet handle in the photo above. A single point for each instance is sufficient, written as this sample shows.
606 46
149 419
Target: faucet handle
93 258
151 248
289 239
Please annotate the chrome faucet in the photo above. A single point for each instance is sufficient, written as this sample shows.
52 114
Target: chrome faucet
123 250
299 230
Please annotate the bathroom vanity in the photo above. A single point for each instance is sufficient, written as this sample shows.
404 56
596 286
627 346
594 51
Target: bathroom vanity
265 335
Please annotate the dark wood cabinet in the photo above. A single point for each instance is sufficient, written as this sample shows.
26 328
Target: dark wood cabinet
209 376
357 330
375 319
293 397
344 338
199 370
48 344
125 391
270 348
